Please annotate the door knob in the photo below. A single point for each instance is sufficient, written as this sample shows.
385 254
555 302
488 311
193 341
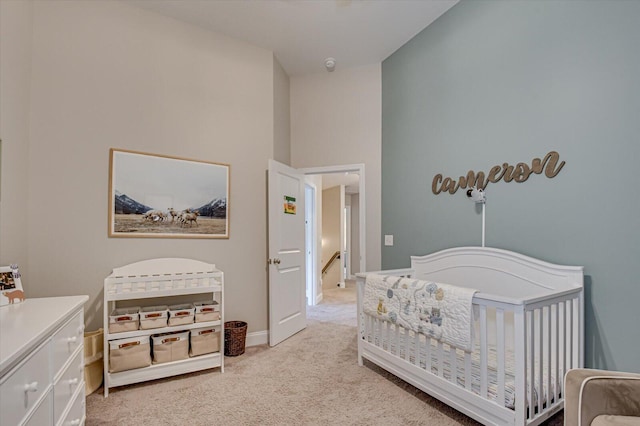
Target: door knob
31 387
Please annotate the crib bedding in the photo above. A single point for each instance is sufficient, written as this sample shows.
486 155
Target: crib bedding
441 311
396 346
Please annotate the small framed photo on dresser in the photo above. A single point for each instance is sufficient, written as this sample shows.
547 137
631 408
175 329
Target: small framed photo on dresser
10 285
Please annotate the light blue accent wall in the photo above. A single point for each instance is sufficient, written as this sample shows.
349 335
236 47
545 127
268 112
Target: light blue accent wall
508 81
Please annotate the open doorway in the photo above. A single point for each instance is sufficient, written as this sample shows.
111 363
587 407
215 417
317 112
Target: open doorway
339 256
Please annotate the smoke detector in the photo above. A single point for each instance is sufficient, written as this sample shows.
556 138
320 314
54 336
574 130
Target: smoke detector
330 64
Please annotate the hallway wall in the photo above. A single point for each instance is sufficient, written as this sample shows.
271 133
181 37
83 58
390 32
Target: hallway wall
330 235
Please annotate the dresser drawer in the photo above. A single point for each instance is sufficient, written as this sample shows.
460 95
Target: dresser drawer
66 385
25 385
66 340
42 414
76 415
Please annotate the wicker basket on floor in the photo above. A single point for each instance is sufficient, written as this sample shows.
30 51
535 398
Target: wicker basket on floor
235 333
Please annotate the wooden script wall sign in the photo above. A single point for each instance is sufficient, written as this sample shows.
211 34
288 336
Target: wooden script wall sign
550 164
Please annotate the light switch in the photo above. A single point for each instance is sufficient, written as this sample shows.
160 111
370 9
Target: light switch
388 240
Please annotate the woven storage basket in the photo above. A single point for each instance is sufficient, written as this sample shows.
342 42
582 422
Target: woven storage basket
93 360
235 333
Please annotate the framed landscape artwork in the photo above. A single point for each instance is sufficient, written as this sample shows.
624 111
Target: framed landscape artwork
157 196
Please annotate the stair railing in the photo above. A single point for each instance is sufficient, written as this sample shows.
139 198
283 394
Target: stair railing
335 256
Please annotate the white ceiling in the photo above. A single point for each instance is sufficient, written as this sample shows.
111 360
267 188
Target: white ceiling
303 33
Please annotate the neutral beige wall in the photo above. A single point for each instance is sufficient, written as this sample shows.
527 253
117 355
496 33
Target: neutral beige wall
330 235
15 73
106 74
336 119
281 115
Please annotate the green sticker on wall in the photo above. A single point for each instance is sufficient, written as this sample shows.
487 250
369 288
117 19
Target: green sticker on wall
289 205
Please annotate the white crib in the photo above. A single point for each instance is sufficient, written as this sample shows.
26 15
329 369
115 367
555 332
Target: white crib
529 332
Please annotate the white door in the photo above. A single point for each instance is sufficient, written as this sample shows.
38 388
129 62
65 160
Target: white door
287 307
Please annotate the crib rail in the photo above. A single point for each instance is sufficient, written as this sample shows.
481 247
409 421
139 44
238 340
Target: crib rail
522 352
552 343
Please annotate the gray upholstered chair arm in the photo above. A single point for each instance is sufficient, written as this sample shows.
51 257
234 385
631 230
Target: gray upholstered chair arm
590 393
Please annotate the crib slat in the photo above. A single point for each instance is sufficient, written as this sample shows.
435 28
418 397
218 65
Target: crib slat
440 359
570 334
385 339
363 326
467 370
521 347
393 339
540 339
563 338
407 348
556 353
375 332
453 362
576 333
416 349
531 367
500 348
372 330
427 351
548 357
483 351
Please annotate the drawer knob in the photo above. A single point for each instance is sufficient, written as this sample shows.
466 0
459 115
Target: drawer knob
72 339
31 387
74 422
73 382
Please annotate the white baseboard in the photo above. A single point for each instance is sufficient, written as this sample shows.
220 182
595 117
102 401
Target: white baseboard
257 338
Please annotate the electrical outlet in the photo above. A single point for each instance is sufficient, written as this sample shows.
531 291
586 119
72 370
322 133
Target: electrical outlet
388 240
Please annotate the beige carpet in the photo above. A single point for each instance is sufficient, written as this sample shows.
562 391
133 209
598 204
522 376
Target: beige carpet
312 378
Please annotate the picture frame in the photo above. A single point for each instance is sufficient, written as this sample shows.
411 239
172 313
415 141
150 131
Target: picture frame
160 196
11 291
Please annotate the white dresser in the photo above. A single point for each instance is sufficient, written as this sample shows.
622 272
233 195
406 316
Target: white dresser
41 362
